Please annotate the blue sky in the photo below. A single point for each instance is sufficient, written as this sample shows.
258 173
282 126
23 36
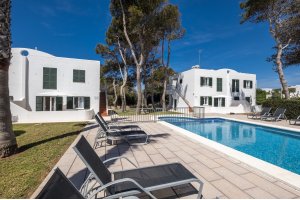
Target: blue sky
72 28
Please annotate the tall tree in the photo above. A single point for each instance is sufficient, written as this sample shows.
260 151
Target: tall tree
279 14
170 29
8 143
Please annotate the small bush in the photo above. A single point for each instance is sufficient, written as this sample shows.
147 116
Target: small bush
292 106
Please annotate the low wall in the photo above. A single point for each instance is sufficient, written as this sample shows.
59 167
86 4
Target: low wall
21 115
226 110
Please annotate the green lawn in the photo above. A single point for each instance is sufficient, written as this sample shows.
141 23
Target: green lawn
40 147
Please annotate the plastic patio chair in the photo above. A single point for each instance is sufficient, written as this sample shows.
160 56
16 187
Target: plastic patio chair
133 181
100 119
264 112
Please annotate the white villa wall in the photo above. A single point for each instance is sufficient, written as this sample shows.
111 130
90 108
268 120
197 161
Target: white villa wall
193 89
26 82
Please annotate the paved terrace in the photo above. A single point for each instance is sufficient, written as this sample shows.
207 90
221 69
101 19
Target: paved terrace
223 176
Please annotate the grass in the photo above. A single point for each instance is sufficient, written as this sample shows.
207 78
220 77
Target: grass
40 147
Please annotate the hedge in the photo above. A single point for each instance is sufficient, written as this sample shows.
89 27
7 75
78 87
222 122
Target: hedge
292 106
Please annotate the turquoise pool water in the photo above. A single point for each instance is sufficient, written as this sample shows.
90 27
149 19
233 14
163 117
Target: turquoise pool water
277 146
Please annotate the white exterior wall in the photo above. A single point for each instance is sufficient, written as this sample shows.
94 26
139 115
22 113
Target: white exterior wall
26 82
191 83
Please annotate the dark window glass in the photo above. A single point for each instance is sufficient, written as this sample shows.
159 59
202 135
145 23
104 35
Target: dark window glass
69 102
59 103
86 102
235 85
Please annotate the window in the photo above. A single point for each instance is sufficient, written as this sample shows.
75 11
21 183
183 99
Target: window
219 84
78 76
180 81
49 103
49 78
247 84
236 98
205 101
235 85
219 102
78 102
206 81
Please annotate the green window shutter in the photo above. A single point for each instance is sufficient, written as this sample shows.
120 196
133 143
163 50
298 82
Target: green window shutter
49 78
202 81
233 85
78 76
223 102
210 81
251 84
245 84
39 104
219 84
201 101
215 102
86 102
59 103
82 76
238 85
210 101
75 76
69 102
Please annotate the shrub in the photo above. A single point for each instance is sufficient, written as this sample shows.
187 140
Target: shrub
292 106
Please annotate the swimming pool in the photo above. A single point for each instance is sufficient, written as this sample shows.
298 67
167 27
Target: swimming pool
277 146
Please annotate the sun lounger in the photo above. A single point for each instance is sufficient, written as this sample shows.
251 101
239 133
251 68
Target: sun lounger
278 114
59 187
100 119
133 181
264 112
117 135
294 121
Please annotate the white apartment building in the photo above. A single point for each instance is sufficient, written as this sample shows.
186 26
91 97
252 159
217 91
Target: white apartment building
219 91
45 88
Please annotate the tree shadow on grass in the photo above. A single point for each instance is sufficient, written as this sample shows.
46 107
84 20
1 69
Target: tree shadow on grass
19 132
34 144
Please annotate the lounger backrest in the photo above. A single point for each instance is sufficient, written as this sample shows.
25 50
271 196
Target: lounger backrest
100 123
265 111
59 187
279 112
92 161
102 119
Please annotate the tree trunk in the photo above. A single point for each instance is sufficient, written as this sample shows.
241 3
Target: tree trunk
139 90
138 64
8 143
279 70
166 78
115 93
122 91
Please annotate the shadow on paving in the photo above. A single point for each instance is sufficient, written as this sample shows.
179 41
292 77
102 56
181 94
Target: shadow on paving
119 150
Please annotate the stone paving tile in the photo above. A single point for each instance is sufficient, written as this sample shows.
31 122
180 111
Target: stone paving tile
209 191
172 147
275 190
185 157
288 188
205 172
127 165
166 153
189 150
145 164
258 193
233 167
235 179
206 161
230 190
158 159
150 149
207 153
141 156
77 165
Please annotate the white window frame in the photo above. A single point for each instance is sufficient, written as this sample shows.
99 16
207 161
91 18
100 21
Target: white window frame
248 84
205 101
